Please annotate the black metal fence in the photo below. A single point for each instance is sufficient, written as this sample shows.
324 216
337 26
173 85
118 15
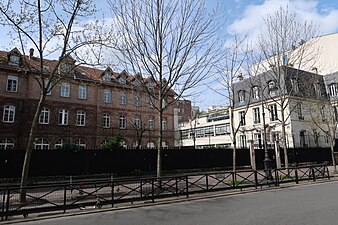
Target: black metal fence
140 162
81 195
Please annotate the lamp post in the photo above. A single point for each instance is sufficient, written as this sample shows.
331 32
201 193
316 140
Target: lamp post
267 160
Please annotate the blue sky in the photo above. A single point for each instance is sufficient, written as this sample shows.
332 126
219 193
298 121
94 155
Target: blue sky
245 18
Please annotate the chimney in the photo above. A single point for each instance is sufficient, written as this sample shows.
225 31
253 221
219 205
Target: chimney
31 53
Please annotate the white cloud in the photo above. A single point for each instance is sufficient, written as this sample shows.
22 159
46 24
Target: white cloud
250 22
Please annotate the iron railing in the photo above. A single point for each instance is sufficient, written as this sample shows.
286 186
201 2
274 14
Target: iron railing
63 197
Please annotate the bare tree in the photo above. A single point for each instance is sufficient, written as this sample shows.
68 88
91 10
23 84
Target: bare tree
171 42
230 80
52 28
285 45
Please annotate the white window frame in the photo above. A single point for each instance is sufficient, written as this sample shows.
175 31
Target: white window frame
65 89
81 143
44 116
333 90
300 111
41 144
6 143
138 122
106 120
59 144
80 118
63 117
123 122
273 112
241 96
123 98
12 83
242 121
82 92
255 92
8 114
107 77
151 124
106 96
137 100
164 124
256 115
14 60
49 90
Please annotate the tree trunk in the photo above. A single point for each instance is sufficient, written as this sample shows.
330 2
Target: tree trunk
234 157
29 148
286 160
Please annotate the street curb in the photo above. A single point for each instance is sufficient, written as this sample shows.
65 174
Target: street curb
168 201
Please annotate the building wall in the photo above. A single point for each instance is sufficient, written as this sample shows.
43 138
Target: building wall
93 133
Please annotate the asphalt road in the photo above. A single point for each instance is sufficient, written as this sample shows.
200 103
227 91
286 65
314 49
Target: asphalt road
311 205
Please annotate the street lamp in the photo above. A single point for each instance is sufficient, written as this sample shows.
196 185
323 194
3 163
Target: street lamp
267 160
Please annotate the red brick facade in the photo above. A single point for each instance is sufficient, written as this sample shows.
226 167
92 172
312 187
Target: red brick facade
92 132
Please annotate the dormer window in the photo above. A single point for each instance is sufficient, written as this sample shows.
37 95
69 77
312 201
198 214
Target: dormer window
14 60
136 82
255 92
122 80
107 77
65 67
273 90
241 96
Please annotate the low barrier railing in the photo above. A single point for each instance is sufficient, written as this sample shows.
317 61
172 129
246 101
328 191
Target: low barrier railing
63 197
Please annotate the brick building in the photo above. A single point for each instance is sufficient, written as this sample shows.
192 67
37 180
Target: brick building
87 107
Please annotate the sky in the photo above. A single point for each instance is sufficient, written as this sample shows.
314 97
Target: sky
245 18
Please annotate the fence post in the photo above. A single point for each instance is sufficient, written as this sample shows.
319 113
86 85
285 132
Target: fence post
256 179
7 204
176 186
112 192
3 204
64 198
328 173
187 186
207 181
276 177
141 184
233 179
296 174
313 173
152 190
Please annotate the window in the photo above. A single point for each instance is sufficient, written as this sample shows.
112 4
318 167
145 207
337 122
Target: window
164 124
258 140
273 112
122 80
41 143
48 86
59 144
138 123
256 115
123 144
273 90
6 143
302 138
82 94
81 143
80 118
242 141
318 89
106 120
323 113
300 111
222 129
12 84
14 60
295 86
255 92
106 96
44 116
333 89
241 96
151 101
150 145
63 117
65 89
9 114
107 77
123 122
151 124
164 145
123 98
242 118
137 100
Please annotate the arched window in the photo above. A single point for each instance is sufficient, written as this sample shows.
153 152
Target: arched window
6 143
41 143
